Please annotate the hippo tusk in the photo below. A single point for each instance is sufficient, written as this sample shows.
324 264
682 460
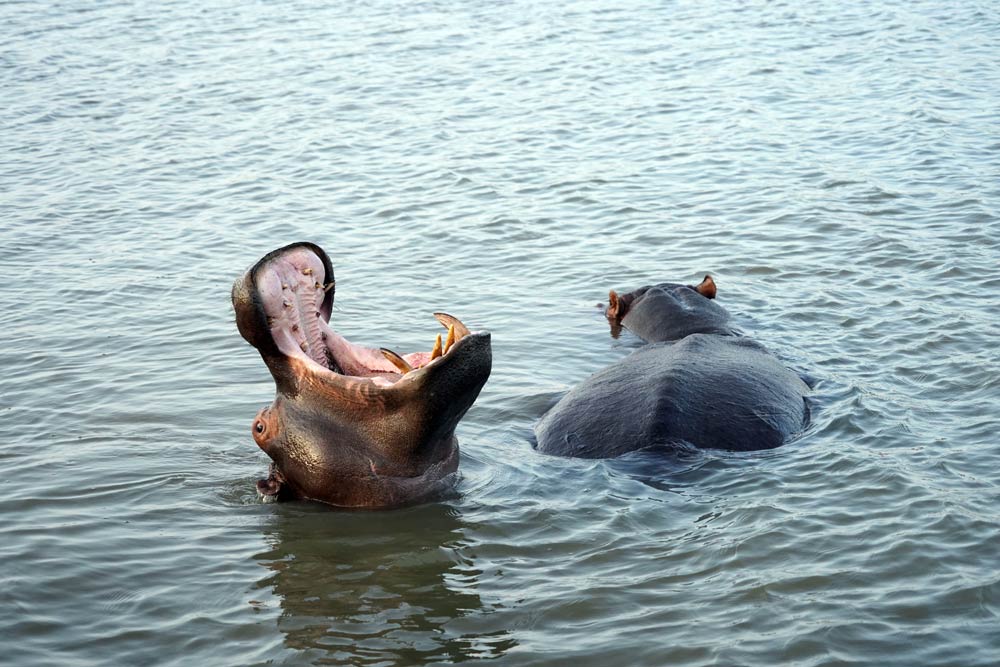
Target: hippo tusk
450 340
448 321
397 361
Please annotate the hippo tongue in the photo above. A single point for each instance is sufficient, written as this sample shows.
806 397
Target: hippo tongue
456 332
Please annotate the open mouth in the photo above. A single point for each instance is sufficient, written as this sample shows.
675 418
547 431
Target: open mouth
296 296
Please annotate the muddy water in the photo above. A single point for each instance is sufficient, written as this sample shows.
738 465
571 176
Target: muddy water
835 168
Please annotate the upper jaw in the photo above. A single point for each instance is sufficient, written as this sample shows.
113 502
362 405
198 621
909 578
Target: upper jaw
283 305
288 276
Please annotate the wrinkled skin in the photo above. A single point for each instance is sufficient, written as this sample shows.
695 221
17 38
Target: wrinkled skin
348 426
697 382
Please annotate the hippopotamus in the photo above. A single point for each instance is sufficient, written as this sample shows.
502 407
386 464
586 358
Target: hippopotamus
350 425
697 382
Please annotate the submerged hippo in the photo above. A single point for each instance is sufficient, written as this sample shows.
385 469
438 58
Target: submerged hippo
351 426
698 382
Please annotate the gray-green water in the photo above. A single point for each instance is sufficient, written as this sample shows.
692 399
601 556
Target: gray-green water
836 166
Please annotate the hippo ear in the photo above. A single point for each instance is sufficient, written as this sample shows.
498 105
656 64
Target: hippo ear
614 306
706 288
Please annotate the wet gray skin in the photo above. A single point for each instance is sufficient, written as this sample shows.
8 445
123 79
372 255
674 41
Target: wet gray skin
350 425
697 383
669 311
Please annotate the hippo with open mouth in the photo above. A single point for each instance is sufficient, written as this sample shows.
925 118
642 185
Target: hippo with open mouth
351 426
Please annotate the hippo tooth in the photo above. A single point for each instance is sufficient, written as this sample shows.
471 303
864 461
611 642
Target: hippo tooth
304 345
397 361
436 352
446 320
327 287
307 272
451 339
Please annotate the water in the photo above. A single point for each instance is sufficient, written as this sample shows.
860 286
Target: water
835 167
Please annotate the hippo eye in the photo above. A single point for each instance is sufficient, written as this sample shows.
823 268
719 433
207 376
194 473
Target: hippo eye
259 426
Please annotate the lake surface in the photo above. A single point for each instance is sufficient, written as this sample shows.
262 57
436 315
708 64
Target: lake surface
835 166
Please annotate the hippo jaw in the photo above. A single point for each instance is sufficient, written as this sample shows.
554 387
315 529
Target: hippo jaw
350 425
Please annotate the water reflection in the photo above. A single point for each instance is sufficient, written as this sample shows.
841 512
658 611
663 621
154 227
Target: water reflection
377 587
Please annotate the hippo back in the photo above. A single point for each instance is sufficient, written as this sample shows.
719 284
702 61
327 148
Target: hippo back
712 391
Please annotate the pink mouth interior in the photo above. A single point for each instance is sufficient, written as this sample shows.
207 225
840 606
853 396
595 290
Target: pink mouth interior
292 288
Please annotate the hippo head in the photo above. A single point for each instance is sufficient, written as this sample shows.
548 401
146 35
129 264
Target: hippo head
668 311
350 425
